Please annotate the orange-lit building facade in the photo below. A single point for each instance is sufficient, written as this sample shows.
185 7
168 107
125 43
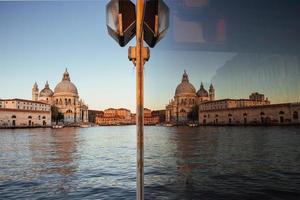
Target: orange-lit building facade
123 116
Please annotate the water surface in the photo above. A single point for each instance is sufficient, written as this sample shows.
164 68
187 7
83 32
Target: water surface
180 163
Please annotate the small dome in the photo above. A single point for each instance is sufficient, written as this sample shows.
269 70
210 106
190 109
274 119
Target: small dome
185 86
202 92
46 92
66 86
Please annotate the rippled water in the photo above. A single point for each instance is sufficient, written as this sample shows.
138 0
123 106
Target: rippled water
180 163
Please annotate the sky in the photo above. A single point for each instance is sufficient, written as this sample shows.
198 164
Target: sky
38 40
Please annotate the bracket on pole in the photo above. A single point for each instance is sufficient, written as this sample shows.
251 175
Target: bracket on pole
132 54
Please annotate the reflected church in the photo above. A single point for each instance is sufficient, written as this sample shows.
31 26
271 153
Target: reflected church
186 98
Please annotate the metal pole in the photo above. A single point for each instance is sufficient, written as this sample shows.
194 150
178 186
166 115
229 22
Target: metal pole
140 100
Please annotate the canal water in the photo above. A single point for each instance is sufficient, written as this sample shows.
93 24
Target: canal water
180 163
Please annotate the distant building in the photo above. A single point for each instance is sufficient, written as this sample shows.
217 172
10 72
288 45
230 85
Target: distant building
185 99
113 116
149 119
93 114
24 113
123 116
65 97
161 114
231 103
255 110
257 97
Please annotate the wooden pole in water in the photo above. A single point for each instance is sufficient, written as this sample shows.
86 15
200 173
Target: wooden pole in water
140 100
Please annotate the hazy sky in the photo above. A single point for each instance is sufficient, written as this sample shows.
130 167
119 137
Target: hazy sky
38 40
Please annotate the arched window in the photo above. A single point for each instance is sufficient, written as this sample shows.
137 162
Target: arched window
262 113
245 114
56 101
281 118
14 117
182 111
229 118
69 102
281 113
29 117
66 101
44 117
217 116
295 115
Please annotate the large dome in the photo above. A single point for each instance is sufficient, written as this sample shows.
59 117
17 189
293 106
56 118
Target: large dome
185 87
66 86
46 92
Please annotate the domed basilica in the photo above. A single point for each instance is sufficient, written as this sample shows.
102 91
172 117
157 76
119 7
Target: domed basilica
185 99
65 97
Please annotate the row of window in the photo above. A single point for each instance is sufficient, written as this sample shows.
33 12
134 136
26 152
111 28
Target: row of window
223 105
27 103
262 114
29 117
187 101
66 102
31 108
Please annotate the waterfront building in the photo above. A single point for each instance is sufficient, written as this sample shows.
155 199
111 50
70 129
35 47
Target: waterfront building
113 116
161 114
24 113
255 110
123 116
231 103
93 114
65 97
185 99
149 118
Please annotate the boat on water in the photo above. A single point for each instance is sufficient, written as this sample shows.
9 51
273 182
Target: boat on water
192 124
84 125
57 126
169 125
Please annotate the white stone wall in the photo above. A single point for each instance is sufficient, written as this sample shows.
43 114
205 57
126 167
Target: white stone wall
22 104
22 118
230 103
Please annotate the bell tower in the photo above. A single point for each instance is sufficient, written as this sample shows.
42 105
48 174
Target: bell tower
211 92
35 92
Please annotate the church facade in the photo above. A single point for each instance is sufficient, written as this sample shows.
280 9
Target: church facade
65 97
185 99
